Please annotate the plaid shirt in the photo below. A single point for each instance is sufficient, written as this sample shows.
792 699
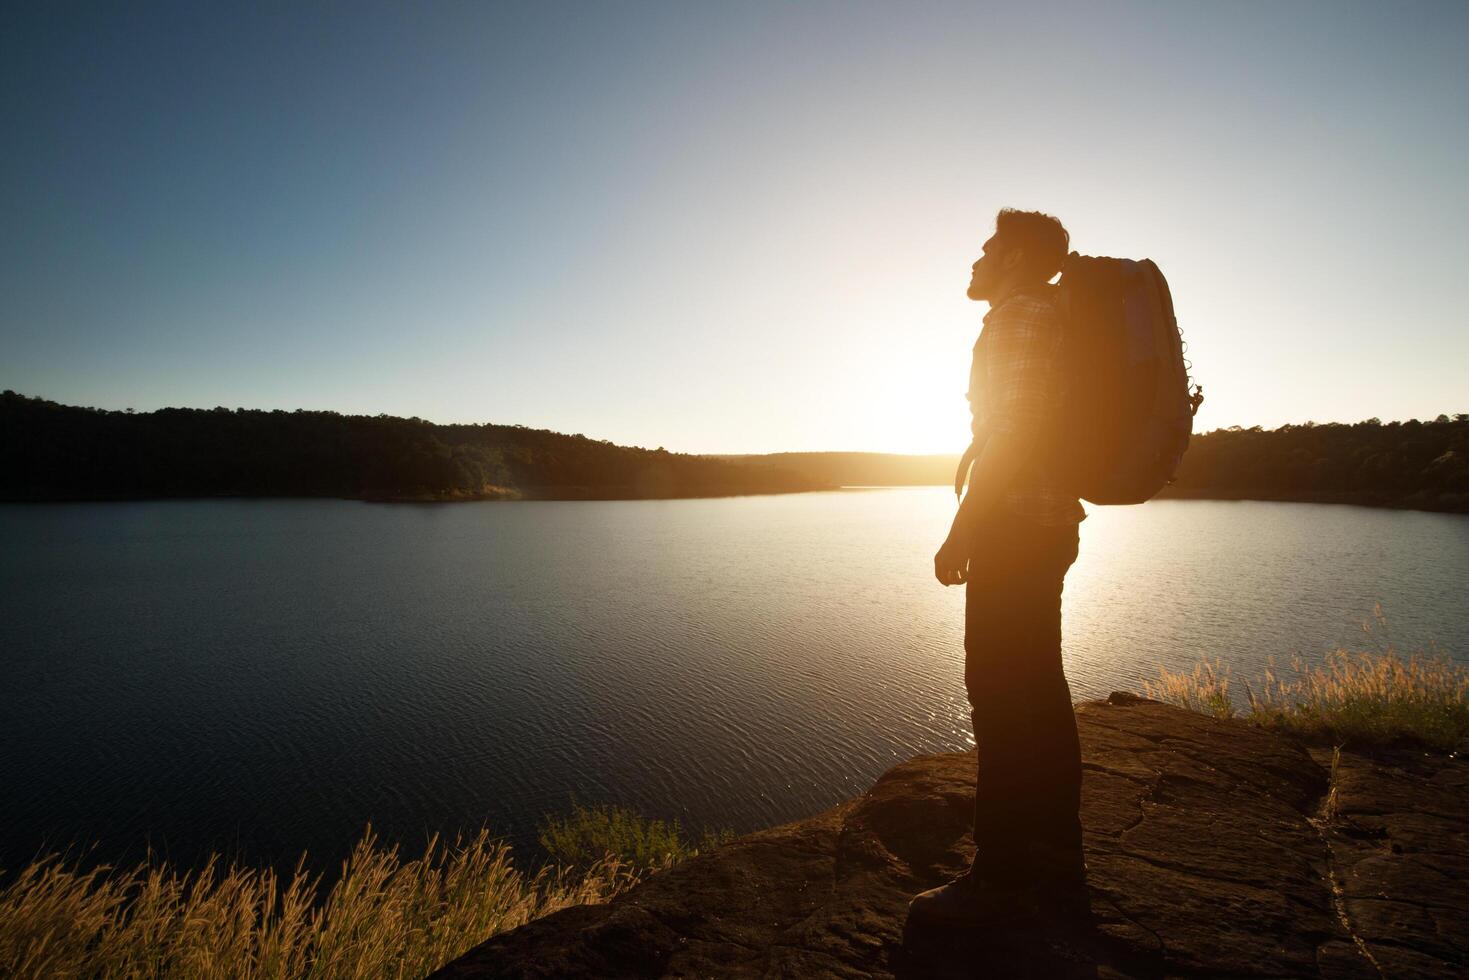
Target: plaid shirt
1013 388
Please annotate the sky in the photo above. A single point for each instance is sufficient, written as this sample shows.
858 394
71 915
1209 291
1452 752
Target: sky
718 227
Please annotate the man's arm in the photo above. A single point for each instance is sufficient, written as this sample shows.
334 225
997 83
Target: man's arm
999 463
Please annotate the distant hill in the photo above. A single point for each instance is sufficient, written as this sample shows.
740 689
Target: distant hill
59 452
860 469
1413 464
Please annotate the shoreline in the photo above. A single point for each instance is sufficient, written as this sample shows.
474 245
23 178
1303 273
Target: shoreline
1374 501
1454 504
502 494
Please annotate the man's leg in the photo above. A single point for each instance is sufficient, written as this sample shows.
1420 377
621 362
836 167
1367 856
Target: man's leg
1028 785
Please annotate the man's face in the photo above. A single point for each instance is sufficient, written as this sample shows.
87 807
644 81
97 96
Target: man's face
987 271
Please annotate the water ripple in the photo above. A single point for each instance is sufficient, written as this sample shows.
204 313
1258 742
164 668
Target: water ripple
268 676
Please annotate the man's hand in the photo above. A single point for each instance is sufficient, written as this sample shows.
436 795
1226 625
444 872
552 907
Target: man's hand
951 563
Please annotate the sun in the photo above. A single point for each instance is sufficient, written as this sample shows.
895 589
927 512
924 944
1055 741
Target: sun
913 415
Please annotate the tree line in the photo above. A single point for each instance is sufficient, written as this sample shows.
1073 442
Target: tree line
61 452
1422 465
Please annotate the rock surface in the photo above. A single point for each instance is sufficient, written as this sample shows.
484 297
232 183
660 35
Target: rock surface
1213 848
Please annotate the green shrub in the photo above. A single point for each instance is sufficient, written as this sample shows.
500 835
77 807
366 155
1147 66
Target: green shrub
589 834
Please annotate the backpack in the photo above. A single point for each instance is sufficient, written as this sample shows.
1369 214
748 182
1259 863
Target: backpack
1127 411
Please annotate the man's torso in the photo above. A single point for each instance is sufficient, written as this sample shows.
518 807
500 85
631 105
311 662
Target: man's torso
1015 386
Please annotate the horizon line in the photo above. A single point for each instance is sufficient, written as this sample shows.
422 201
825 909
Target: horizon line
770 452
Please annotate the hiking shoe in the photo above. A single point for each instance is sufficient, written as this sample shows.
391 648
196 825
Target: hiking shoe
1059 884
970 900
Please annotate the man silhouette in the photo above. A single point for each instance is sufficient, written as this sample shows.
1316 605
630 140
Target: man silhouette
1012 540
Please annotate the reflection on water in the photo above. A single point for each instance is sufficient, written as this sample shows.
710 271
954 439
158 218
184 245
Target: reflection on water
265 676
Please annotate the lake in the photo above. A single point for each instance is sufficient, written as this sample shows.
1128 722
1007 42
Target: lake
266 676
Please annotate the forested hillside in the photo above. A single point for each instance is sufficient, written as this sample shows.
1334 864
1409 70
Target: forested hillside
58 452
1415 464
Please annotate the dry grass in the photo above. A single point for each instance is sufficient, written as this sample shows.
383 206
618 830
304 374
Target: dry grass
385 917
1206 690
1362 700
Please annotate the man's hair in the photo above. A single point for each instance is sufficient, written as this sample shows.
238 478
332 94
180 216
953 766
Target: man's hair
1040 237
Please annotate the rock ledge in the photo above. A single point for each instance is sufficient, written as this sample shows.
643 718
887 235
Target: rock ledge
1211 847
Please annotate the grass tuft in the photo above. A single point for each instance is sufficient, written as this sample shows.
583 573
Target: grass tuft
1362 700
1206 690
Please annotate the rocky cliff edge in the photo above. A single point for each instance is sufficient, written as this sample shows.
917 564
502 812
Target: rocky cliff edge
1214 849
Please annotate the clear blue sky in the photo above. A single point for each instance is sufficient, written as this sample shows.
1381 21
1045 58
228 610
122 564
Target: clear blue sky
717 227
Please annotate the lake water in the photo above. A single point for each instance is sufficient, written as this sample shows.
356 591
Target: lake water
266 676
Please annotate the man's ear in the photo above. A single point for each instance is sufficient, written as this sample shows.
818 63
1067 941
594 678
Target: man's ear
1012 259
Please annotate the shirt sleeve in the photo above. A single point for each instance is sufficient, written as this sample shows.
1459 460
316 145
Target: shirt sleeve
1020 354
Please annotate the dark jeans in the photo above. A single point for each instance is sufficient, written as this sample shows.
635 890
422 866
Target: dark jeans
1028 791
